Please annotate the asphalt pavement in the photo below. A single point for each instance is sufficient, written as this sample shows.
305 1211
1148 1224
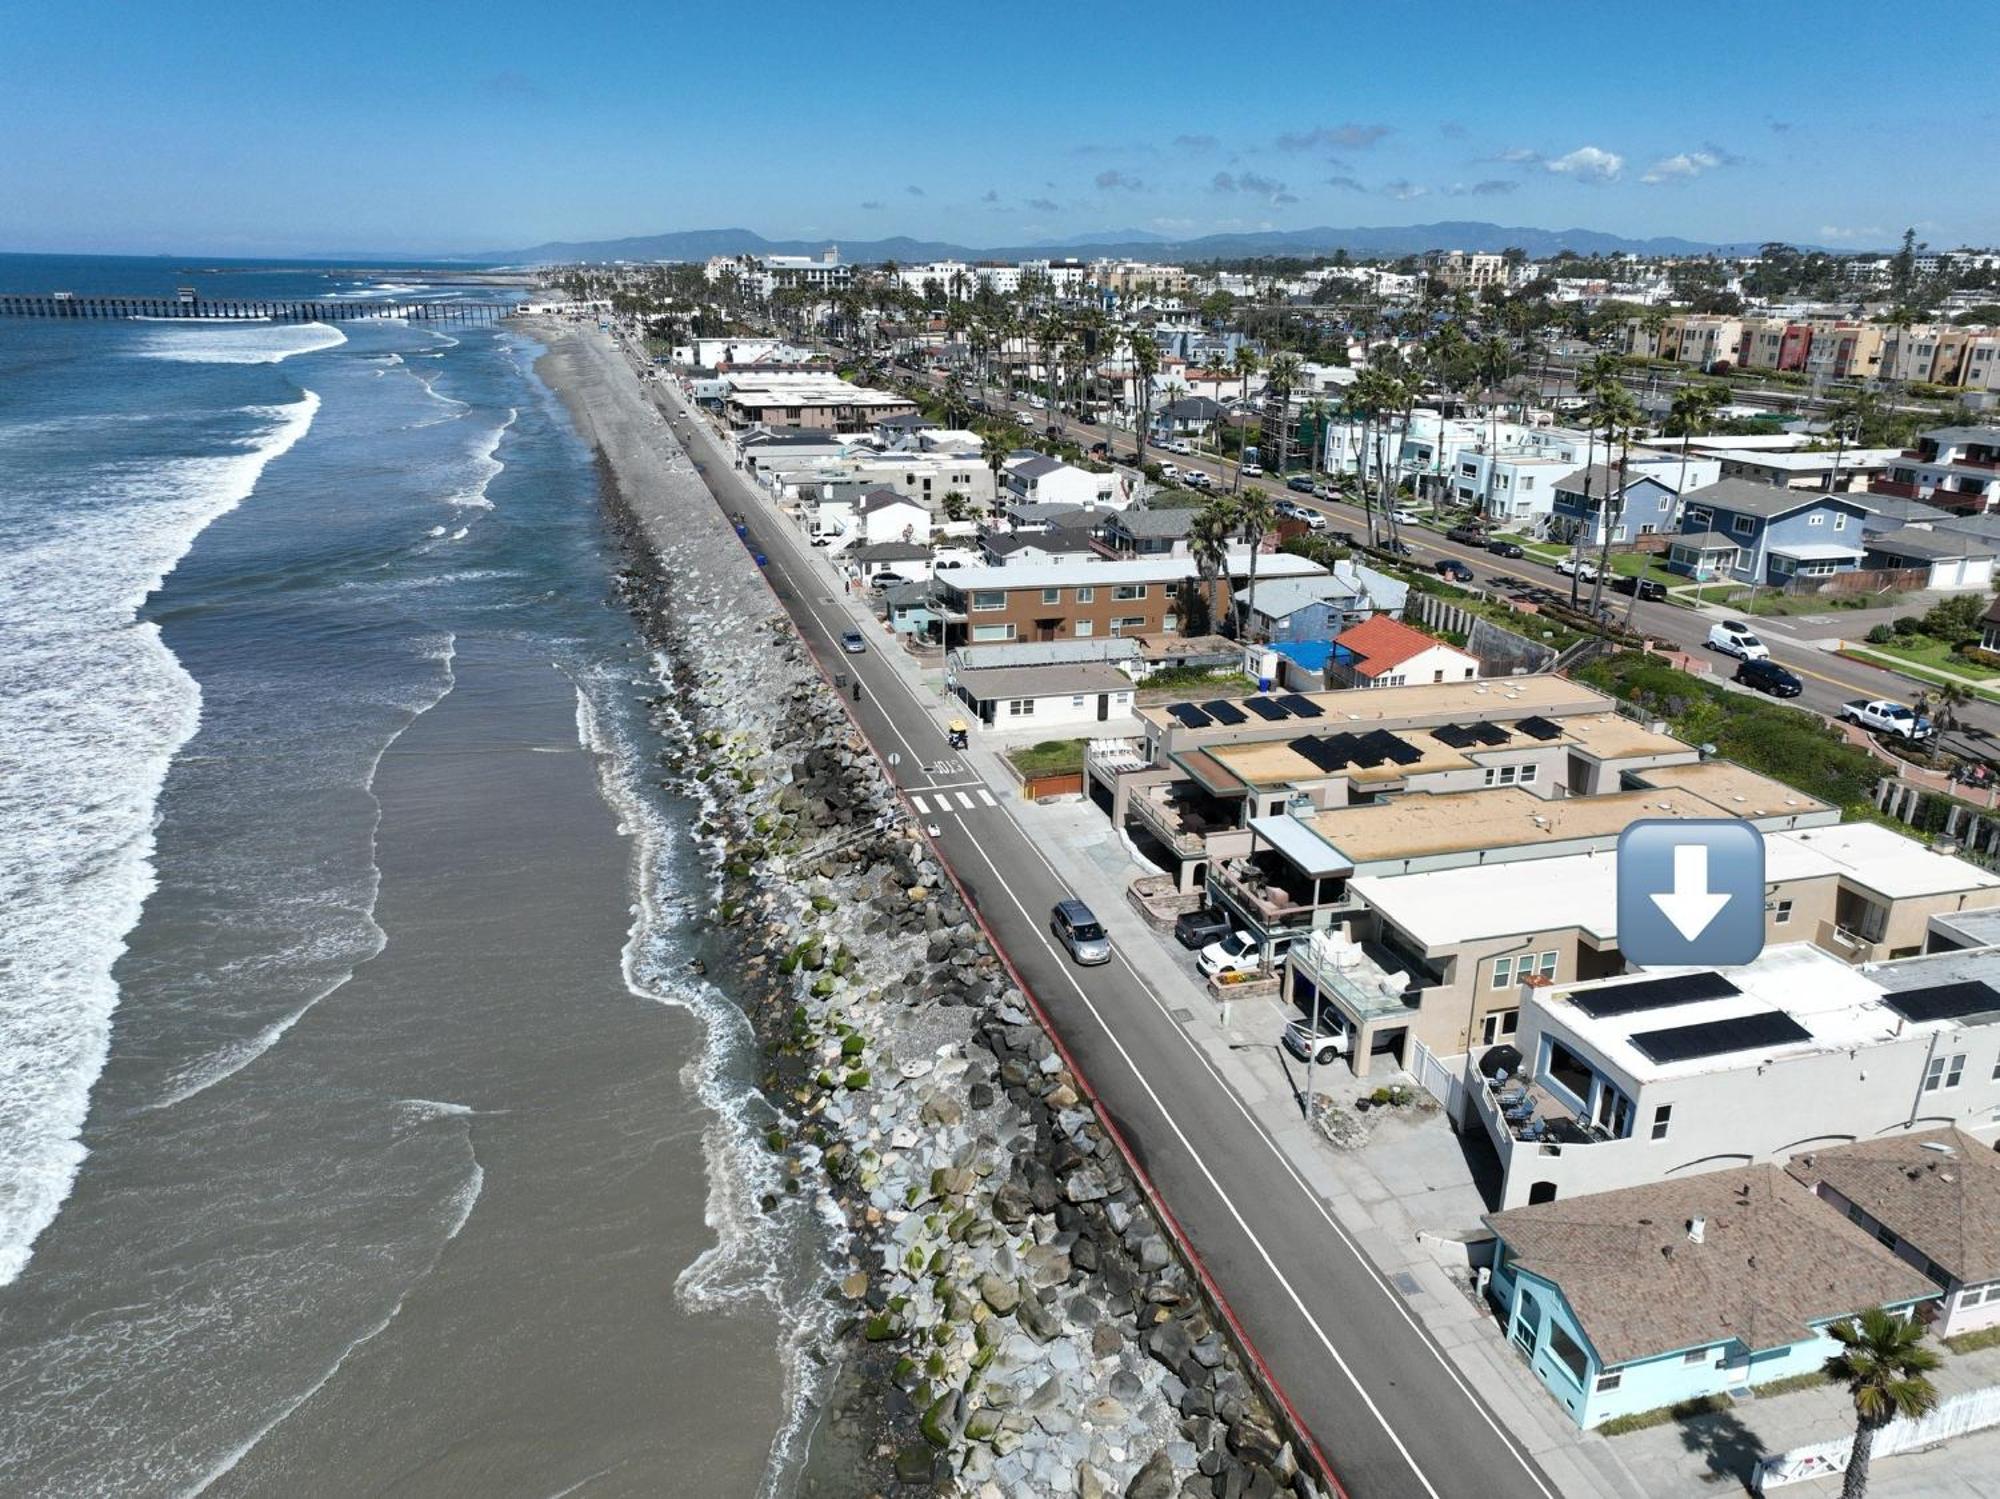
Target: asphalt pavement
1392 1413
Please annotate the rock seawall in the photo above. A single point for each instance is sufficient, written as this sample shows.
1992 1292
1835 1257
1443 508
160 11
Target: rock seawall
1009 1318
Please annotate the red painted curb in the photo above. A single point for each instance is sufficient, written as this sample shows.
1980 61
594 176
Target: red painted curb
1139 1175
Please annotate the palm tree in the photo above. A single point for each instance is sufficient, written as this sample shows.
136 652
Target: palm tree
1318 413
1495 364
1600 374
996 459
1246 363
1618 414
1257 514
1882 1361
1692 413
1209 534
1946 699
1145 364
1284 374
1174 393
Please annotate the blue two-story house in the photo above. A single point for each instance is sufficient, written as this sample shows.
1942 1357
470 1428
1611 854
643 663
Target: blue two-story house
1746 532
1627 1301
1643 507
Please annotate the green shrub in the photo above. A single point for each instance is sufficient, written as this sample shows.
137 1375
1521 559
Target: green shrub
1686 1410
1908 624
1881 635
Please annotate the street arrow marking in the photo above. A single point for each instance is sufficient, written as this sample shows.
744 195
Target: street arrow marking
1690 905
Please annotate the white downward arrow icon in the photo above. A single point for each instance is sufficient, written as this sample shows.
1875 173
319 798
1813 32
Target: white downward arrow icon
1690 905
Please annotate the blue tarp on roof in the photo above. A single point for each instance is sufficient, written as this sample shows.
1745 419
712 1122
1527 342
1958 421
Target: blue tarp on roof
1307 655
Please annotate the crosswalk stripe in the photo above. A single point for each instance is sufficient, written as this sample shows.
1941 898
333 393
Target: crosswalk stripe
965 801
986 797
918 803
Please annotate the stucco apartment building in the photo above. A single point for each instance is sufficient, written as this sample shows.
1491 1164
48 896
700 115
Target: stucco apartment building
826 401
1085 600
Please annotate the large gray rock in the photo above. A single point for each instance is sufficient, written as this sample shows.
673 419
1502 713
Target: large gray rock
1155 1480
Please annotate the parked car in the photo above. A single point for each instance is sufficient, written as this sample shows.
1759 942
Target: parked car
1253 470
1196 478
1734 638
1312 519
1170 472
1881 716
1395 548
1467 533
852 642
1077 928
1501 548
1650 589
1766 675
887 578
1326 1047
1100 449
1025 418
1197 929
1300 484
1236 953
1452 568
1407 517
1323 492
1086 419
1577 567
1181 446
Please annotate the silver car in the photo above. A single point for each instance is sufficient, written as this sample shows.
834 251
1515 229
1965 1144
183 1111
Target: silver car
1078 930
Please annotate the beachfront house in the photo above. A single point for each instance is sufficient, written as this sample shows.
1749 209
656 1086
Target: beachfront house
1629 1301
1642 506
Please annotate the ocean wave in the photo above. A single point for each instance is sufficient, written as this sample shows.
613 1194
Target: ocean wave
220 1066
754 1256
456 1212
85 773
486 467
265 343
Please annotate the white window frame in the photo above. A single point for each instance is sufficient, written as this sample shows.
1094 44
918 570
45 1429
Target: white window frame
1051 595
988 593
1083 629
1086 595
1742 525
1503 972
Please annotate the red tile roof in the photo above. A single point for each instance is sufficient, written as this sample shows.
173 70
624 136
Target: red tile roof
1383 643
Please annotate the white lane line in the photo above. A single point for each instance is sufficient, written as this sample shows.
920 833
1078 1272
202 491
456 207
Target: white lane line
965 801
986 798
918 803
1228 1202
1318 1203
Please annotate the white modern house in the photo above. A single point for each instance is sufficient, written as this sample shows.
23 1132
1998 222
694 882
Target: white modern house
1045 480
1668 1073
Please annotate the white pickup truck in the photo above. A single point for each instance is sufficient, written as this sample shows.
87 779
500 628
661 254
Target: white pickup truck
1881 716
1573 565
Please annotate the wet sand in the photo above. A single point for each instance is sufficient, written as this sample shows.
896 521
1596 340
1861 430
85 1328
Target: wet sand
545 1352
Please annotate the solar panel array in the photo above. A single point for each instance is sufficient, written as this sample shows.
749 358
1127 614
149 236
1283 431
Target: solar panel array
1189 716
1265 709
1653 994
1539 728
1489 733
1944 1001
1224 712
1455 735
1721 1038
1339 751
1300 705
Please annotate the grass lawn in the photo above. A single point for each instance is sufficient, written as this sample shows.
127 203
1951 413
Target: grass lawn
1873 656
1052 757
1922 650
1196 679
1646 565
1972 1342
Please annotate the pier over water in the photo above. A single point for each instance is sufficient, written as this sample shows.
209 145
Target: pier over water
81 305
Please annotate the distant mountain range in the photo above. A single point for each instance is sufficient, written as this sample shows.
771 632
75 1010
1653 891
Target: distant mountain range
1406 239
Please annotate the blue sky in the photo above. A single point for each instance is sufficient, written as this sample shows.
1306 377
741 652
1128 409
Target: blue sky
231 128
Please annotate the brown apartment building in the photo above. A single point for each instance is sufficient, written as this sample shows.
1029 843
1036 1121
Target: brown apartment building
1085 600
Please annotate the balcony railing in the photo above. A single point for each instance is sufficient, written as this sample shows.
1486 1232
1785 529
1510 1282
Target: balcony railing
1170 824
1269 902
1362 987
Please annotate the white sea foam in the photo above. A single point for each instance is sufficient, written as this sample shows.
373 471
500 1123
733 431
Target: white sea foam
265 343
485 467
221 1065
748 1260
461 533
84 772
435 531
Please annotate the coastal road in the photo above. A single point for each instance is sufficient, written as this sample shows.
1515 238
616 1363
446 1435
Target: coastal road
1390 1410
1829 680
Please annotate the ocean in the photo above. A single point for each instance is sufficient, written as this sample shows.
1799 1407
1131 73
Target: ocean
364 1128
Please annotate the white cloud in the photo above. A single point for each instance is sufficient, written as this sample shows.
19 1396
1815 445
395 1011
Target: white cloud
1588 164
1403 189
1685 164
1835 231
